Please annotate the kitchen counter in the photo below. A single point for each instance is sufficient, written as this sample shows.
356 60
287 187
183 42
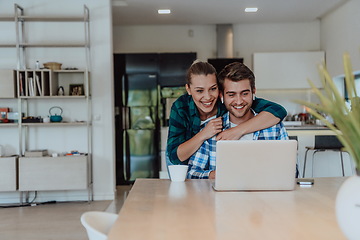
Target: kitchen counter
308 130
307 127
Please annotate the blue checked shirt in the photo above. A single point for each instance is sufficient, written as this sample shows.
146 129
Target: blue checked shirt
202 162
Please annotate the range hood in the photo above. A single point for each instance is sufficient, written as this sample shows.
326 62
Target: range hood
225 47
224 41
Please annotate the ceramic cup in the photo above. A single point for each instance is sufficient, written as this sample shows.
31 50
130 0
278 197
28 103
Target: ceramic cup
178 172
46 119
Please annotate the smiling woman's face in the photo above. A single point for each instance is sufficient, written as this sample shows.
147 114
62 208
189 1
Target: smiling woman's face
205 92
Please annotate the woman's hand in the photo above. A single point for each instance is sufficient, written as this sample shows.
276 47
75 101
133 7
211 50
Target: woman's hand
188 148
212 128
230 134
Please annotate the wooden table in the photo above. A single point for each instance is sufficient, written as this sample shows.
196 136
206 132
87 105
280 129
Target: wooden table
157 209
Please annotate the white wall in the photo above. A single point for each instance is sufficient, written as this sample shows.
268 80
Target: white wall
340 32
101 78
173 38
281 37
248 38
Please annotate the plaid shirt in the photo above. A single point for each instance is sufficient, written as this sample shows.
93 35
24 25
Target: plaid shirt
184 122
203 161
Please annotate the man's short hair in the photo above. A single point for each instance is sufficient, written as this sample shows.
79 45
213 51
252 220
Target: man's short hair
236 71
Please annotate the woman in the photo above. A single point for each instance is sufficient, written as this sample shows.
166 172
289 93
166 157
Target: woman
202 105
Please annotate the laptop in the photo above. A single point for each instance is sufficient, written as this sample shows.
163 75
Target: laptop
262 165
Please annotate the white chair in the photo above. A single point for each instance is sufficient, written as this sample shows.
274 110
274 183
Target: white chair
98 224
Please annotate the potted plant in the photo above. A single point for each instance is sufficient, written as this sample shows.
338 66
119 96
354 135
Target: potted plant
346 125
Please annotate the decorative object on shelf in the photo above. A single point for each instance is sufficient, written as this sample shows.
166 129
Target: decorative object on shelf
3 113
61 91
37 65
76 89
346 125
46 119
53 65
31 119
55 117
13 116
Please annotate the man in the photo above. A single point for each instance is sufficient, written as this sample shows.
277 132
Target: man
237 89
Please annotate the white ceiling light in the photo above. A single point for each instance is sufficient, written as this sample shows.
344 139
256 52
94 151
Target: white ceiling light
251 9
164 11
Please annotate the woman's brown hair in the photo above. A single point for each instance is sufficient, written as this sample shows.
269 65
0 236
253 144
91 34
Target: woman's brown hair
199 68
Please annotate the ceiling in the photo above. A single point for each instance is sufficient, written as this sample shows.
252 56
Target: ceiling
188 12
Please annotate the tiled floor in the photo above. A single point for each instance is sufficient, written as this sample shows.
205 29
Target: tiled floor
53 221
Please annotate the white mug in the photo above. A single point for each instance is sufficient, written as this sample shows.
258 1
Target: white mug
46 119
178 172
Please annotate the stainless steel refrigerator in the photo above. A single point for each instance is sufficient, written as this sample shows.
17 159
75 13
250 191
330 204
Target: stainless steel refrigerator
141 128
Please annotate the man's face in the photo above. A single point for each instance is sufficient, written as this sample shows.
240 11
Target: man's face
238 98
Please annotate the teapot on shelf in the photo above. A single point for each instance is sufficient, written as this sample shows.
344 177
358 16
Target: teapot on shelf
55 117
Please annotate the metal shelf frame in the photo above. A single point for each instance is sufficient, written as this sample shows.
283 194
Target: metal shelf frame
21 45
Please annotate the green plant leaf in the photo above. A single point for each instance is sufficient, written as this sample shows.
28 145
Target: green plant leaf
332 103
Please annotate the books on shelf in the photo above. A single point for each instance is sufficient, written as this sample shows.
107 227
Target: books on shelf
40 93
34 86
22 84
31 87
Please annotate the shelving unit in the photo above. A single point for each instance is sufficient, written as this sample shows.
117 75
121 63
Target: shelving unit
45 83
37 87
8 174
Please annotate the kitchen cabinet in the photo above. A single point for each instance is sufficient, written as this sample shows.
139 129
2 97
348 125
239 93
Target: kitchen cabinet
7 83
287 70
173 67
53 173
36 91
8 173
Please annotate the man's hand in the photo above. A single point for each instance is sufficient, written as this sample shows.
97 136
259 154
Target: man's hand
213 127
212 175
229 134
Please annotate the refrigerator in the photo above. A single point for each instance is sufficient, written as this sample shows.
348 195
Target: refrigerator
141 127
140 79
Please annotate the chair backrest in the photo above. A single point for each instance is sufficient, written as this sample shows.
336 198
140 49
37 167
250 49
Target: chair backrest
98 224
327 142
293 138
